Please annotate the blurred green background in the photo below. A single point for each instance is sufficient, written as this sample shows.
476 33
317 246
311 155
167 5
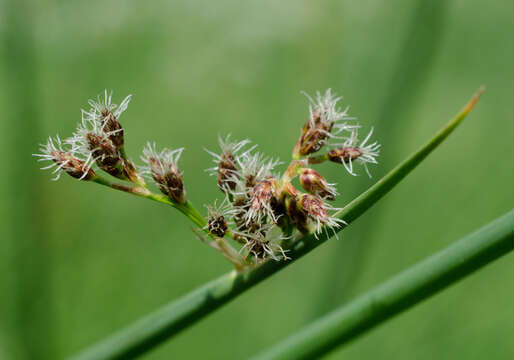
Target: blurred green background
79 261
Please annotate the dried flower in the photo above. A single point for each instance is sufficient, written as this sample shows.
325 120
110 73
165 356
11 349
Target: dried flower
315 184
64 160
350 151
162 166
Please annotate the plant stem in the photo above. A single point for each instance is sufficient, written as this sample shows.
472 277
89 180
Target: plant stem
401 292
187 208
190 211
167 321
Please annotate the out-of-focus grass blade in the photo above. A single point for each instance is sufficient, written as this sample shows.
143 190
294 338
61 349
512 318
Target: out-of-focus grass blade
169 320
399 293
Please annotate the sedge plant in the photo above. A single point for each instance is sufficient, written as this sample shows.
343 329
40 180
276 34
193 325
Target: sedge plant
261 223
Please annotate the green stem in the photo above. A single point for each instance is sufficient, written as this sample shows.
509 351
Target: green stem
187 208
401 292
163 323
369 197
190 211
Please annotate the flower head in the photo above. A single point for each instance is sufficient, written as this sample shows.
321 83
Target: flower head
315 184
226 164
64 160
101 107
95 145
324 110
307 208
262 199
106 114
350 151
219 217
323 123
91 141
253 168
162 166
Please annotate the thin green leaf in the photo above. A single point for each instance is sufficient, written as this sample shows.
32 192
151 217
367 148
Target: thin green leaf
162 324
399 293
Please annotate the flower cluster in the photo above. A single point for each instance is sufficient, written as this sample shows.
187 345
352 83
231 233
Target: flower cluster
99 143
259 202
252 201
261 208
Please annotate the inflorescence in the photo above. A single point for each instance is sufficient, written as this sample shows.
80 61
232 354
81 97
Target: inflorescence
261 209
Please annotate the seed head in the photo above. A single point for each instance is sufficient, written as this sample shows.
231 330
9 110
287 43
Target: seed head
64 160
315 184
162 166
